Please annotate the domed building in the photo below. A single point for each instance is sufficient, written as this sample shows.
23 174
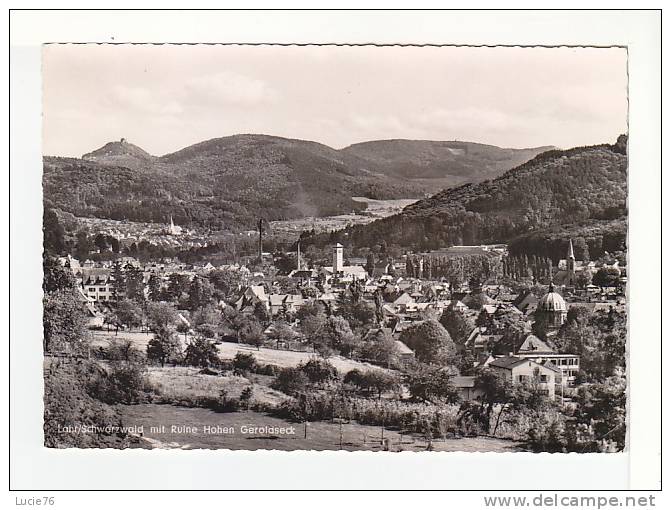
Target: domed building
552 309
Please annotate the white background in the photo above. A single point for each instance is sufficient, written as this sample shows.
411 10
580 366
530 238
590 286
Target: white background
35 467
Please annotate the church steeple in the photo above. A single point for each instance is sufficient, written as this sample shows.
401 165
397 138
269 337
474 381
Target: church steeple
570 264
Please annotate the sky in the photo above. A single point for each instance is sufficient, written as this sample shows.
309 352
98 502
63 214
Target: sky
167 97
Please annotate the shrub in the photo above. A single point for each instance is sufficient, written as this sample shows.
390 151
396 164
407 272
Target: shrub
246 397
405 417
66 402
290 381
201 352
271 370
319 371
121 350
244 363
225 404
164 347
125 382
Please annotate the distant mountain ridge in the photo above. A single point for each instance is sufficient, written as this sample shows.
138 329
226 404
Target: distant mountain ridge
580 186
229 182
450 163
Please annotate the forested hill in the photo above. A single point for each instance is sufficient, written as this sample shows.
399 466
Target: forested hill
228 183
584 185
122 154
442 164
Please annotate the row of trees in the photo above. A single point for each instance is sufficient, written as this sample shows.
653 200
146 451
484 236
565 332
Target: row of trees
518 267
455 269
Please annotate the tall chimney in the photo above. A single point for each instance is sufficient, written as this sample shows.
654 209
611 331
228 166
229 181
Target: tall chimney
337 258
298 256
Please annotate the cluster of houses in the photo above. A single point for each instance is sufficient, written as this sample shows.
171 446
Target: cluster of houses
533 360
96 281
129 233
400 301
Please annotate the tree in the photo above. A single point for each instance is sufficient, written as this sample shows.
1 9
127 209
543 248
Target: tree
606 277
359 314
319 371
177 284
119 281
100 242
110 318
231 323
134 282
54 233
285 263
602 406
83 246
129 313
430 341
373 381
56 277
154 285
541 325
164 347
476 300
206 318
335 334
64 322
380 349
183 328
497 390
161 315
466 363
122 350
430 383
201 292
409 266
370 264
201 352
124 382
456 325
282 332
311 319
583 279
252 333
291 380
227 282
261 313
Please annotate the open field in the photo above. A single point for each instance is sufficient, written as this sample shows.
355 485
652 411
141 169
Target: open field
228 350
376 209
288 358
382 208
103 337
186 383
321 435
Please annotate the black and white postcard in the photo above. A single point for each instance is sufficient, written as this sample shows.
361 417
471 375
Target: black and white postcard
316 247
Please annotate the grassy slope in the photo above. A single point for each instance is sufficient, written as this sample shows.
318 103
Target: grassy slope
227 350
321 435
